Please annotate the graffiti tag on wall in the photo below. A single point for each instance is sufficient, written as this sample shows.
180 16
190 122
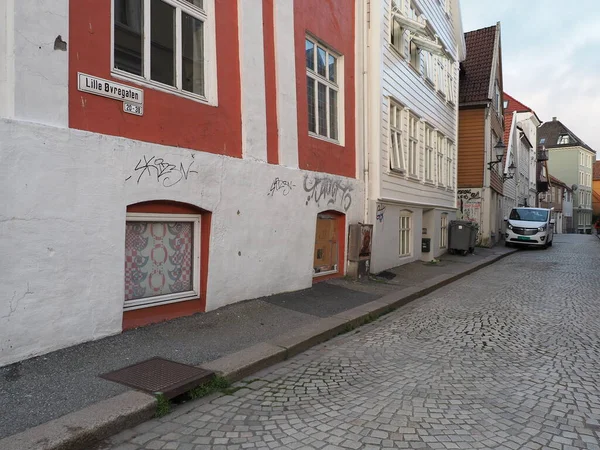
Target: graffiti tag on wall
162 171
380 213
279 185
468 194
328 189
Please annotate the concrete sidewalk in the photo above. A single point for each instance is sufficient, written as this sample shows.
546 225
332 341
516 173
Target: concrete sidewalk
57 401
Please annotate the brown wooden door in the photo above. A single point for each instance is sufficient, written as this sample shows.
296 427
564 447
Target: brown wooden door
325 244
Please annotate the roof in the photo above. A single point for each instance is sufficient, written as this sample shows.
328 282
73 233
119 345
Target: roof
476 69
556 182
550 131
596 173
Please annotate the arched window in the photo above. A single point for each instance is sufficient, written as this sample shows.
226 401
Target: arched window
405 233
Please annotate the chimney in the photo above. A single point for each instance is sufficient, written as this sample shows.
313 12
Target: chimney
554 119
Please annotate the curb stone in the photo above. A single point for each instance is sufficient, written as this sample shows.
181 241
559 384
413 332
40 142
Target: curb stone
81 429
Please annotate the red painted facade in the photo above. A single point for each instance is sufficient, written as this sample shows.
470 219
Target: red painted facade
333 23
168 118
270 82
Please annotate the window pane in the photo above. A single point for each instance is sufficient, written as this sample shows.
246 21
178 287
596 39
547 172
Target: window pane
158 258
198 3
192 58
312 118
332 68
322 104
162 32
333 125
321 55
128 35
310 55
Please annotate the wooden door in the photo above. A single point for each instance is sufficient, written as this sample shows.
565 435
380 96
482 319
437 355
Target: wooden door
326 250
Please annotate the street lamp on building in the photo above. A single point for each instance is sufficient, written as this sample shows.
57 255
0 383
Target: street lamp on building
499 149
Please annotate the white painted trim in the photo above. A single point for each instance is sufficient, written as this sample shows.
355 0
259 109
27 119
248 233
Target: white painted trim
178 296
328 272
252 79
285 63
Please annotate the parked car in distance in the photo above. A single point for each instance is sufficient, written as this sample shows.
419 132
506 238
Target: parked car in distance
529 226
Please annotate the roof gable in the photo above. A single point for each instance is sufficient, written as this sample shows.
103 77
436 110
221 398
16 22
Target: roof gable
549 132
476 69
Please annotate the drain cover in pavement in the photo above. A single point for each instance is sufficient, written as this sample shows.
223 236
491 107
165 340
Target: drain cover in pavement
160 375
386 275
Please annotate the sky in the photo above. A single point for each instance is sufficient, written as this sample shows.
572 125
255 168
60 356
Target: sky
550 57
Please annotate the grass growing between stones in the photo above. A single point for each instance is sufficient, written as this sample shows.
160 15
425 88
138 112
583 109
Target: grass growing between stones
218 383
163 405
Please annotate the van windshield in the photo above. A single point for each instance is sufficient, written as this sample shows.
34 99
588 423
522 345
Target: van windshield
530 215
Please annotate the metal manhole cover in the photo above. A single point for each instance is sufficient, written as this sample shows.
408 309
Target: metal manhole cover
160 375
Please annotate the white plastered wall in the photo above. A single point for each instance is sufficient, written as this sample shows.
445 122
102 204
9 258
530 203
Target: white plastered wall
386 238
62 229
33 75
252 58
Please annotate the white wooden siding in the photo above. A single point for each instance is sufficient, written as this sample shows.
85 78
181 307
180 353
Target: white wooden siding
399 81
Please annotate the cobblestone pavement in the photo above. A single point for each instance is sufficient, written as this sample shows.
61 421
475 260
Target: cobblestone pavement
507 358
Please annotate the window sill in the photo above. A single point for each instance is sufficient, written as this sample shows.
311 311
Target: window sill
323 138
322 274
398 173
151 304
429 183
430 82
155 85
397 51
441 95
404 256
413 178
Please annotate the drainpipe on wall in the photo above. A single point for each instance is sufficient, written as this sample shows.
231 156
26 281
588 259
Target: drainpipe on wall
365 105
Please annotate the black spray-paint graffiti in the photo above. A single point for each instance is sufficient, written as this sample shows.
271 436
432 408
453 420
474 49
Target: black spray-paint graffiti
279 185
380 213
165 172
324 188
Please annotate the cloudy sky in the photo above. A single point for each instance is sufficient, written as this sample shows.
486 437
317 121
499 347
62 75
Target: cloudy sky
550 57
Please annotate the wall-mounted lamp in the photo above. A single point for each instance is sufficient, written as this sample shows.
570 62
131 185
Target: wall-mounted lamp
499 149
511 172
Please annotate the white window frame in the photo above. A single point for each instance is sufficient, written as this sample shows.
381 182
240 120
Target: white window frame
440 159
398 160
430 136
449 146
207 16
444 231
147 302
413 145
405 234
337 86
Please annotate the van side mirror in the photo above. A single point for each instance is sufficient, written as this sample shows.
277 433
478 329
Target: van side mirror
505 219
552 221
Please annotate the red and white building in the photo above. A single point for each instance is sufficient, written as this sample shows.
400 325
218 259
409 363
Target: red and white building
167 157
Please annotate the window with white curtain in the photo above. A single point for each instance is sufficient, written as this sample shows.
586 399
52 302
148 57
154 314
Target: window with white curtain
429 153
444 231
405 233
396 144
413 145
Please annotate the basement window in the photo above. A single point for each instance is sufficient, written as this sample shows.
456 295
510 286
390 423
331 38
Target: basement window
162 259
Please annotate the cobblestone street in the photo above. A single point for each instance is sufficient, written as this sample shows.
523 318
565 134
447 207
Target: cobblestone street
506 358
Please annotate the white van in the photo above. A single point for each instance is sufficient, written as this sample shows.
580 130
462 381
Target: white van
529 226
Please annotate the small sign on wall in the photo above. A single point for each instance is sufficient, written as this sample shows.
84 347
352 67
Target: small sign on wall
132 98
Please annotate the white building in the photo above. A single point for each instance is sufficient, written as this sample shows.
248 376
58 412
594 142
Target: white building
412 114
520 137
